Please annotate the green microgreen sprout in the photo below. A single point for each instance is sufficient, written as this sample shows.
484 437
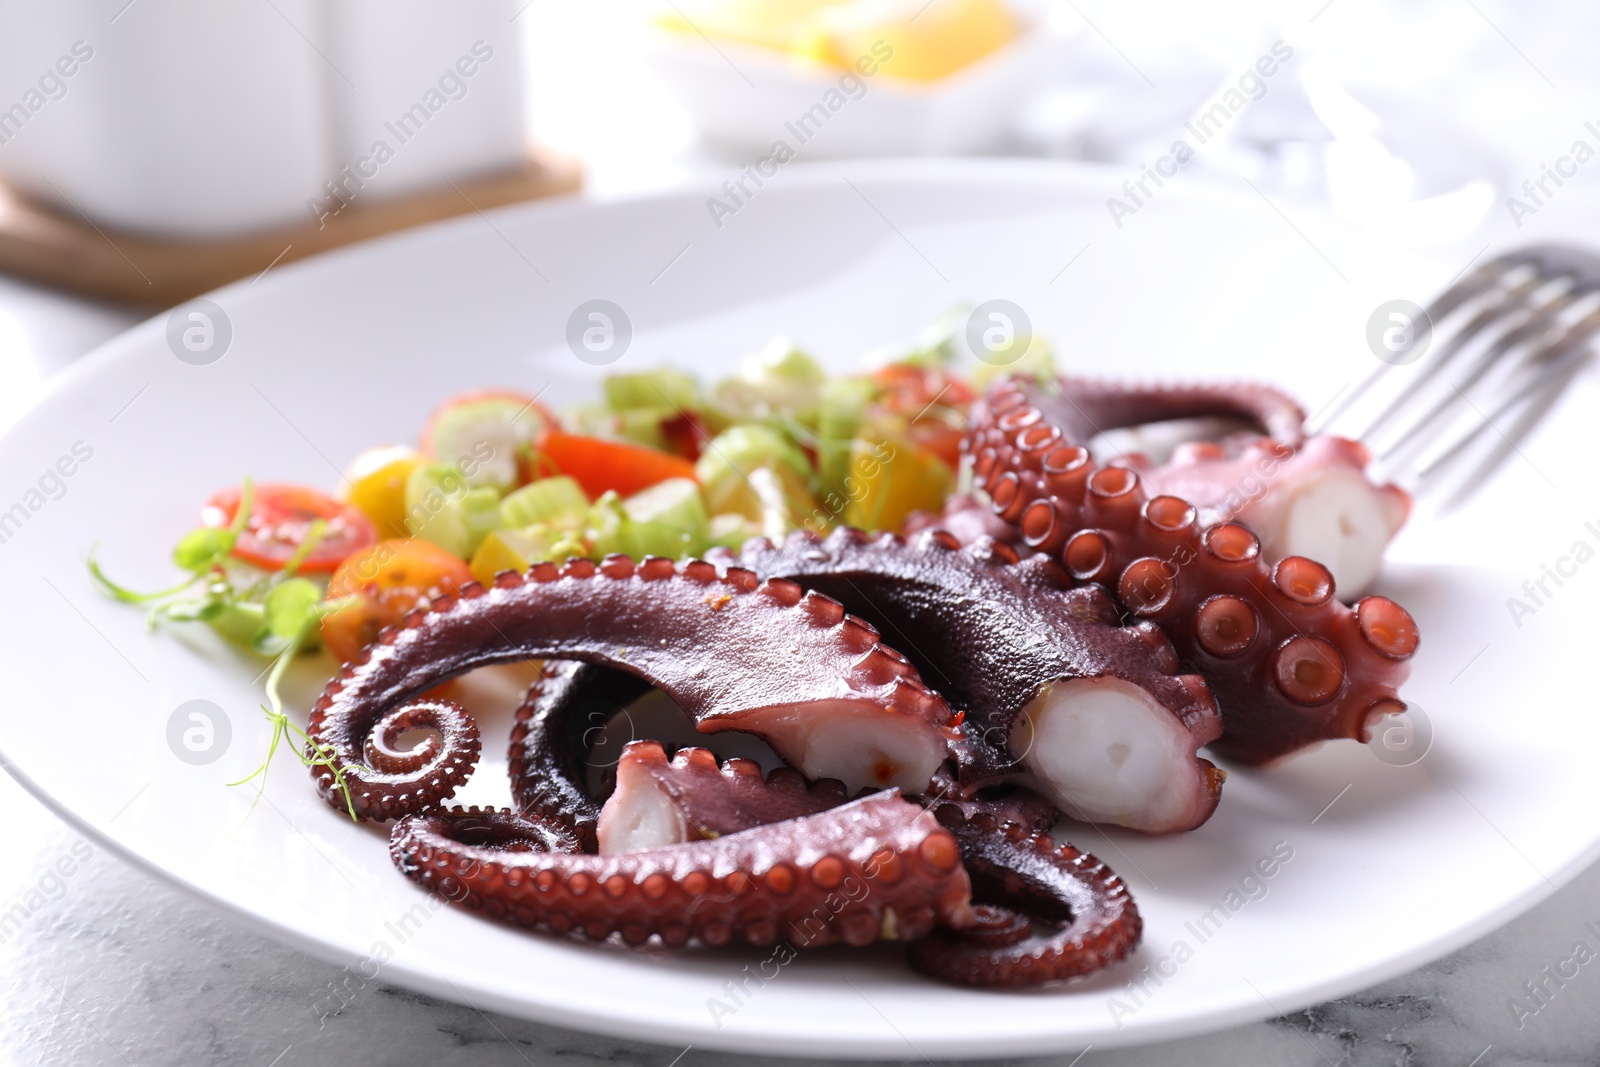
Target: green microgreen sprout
277 614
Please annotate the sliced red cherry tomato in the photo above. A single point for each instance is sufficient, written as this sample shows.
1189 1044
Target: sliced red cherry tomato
280 515
907 388
933 399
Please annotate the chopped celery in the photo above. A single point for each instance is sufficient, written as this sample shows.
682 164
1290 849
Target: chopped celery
443 509
725 465
780 381
888 480
936 346
612 529
844 402
675 502
559 501
732 531
640 425
517 550
662 388
781 504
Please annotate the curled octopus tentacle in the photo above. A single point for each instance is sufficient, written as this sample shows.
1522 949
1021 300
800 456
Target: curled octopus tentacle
1048 677
1021 880
1289 664
550 741
549 747
1089 406
1311 499
798 881
734 652
1034 664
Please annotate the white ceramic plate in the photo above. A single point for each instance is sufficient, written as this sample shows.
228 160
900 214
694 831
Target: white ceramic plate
1391 866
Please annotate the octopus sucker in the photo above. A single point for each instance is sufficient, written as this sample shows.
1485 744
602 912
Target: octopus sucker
824 878
1042 912
813 685
1313 499
1288 663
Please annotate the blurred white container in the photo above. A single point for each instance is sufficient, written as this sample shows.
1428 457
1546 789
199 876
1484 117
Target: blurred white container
194 118
969 111
439 83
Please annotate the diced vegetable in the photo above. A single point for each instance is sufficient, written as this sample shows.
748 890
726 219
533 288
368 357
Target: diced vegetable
651 390
675 502
614 530
517 550
889 480
559 501
487 435
732 531
377 485
442 507
780 381
782 504
279 520
640 426
383 583
724 468
601 466
844 401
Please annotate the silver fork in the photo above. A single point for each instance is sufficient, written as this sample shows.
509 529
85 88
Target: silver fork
1515 333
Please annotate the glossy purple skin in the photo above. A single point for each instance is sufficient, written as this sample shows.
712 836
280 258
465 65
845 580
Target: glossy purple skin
550 741
722 643
549 749
988 630
1020 879
818 880
1290 665
719 798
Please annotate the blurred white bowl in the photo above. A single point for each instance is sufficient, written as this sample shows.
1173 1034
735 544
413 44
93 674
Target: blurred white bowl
744 98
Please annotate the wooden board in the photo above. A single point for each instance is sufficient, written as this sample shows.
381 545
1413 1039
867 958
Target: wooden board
65 250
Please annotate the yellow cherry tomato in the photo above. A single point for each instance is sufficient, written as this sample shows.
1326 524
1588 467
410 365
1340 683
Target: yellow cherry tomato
378 486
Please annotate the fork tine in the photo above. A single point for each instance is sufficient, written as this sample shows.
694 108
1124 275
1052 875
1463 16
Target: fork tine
1510 301
1536 324
1531 417
1464 290
1561 359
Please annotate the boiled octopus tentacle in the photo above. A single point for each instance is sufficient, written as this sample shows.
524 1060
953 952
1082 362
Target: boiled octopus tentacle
550 741
1019 875
735 652
1313 499
664 801
1090 406
692 797
1019 880
1056 693
1289 664
876 868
